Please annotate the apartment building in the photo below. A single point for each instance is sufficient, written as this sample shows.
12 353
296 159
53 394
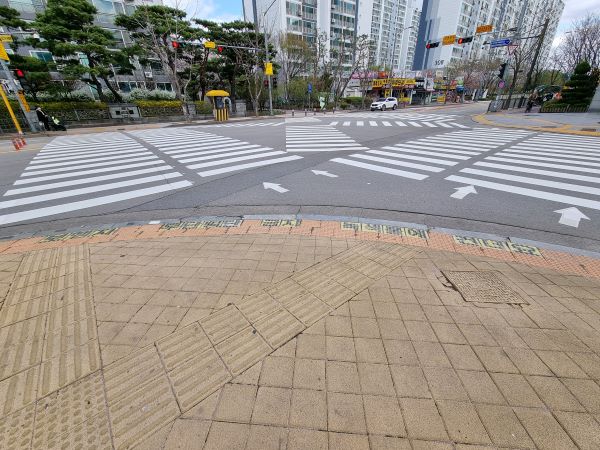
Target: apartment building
441 18
150 76
391 24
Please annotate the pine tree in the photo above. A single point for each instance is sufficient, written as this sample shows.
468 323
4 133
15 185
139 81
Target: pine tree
581 87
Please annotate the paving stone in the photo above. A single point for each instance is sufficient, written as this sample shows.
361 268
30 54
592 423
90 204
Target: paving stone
400 352
227 436
561 365
462 422
19 390
61 411
516 390
527 361
311 346
544 429
392 329
266 438
342 377
272 406
224 324
345 413
365 327
583 428
16 429
243 350
388 443
480 387
308 409
92 433
197 377
338 326
277 372
309 374
308 309
586 391
340 349
278 327
370 350
182 345
503 426
445 384
343 441
410 381
375 379
236 403
383 416
554 394
187 434
422 419
303 439
431 354
19 357
495 359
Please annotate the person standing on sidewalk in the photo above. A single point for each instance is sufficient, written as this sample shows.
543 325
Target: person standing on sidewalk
43 117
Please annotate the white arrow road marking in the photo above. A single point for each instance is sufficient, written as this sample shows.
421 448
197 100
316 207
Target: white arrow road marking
571 217
275 187
324 172
463 191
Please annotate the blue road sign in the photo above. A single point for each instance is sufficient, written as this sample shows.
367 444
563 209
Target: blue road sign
310 88
500 43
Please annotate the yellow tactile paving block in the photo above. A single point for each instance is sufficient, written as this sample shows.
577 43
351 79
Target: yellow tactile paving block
279 327
196 378
308 309
257 306
224 323
243 350
183 345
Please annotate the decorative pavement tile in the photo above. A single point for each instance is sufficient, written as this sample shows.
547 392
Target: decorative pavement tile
16 430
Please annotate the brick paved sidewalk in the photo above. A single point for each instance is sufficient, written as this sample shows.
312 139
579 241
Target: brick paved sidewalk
291 341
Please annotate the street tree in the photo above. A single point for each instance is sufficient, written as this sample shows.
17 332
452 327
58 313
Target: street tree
581 86
154 29
293 55
10 18
80 48
580 43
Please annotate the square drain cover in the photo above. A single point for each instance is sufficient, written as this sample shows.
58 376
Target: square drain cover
483 287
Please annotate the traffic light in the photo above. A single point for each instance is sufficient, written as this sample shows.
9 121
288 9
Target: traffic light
501 70
465 40
432 45
19 73
274 81
220 49
176 44
266 82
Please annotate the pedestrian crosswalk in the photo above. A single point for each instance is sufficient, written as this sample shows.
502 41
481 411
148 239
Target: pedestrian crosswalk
418 159
88 171
209 154
250 123
399 115
318 138
563 169
430 123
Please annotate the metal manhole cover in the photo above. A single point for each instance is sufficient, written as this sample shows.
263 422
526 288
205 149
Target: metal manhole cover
483 287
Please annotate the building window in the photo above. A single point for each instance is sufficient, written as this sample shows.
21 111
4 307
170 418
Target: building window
42 55
164 87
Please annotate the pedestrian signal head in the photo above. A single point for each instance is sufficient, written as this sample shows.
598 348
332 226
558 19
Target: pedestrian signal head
465 40
432 45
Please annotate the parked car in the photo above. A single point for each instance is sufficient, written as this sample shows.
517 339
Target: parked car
384 103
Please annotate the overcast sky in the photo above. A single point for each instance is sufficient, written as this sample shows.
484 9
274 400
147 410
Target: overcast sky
225 10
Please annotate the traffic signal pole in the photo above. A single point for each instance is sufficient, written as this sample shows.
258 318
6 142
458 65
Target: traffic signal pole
27 114
267 59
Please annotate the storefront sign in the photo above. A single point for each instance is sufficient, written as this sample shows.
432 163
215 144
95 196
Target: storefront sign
395 82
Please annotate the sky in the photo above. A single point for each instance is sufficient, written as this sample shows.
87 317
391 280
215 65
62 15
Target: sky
226 10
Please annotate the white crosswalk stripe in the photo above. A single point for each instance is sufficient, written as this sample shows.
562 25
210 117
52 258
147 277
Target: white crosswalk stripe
432 154
209 154
87 171
386 123
547 167
250 123
398 115
318 138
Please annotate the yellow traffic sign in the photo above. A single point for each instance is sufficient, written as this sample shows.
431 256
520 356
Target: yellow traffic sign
268 68
3 54
6 38
209 44
484 29
449 39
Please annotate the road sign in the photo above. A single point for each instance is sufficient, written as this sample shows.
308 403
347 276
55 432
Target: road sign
449 39
209 44
512 47
501 84
268 68
309 88
484 29
6 38
500 43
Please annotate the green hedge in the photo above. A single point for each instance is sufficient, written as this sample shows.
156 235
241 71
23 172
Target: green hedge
153 108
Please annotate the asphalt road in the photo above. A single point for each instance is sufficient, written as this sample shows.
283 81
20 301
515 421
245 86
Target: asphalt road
430 166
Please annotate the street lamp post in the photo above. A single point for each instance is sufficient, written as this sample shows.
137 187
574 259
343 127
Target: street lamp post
267 59
393 53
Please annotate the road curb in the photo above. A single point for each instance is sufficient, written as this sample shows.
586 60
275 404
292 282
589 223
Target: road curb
565 129
509 250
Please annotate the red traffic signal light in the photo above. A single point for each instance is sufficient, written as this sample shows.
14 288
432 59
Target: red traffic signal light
220 49
432 45
176 44
19 73
464 40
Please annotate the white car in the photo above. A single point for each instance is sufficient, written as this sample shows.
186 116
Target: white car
384 103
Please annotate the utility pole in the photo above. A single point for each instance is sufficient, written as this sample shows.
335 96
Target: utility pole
267 58
537 55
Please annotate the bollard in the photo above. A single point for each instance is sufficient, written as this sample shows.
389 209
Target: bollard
315 112
305 112
292 113
22 142
16 144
